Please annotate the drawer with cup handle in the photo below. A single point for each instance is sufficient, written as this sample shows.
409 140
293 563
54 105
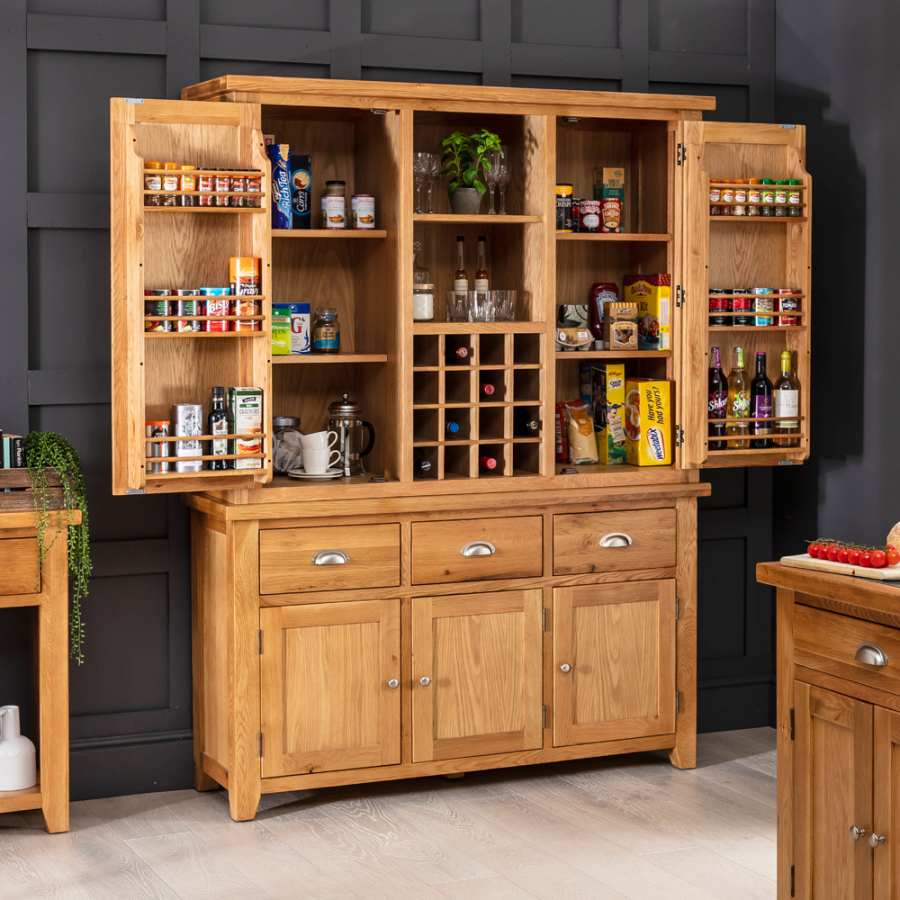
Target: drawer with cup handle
293 560
613 541
854 649
477 549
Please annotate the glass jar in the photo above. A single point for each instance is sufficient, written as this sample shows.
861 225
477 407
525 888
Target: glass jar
715 195
740 199
153 182
727 197
188 183
795 210
781 197
754 197
767 197
326 336
170 182
286 452
423 303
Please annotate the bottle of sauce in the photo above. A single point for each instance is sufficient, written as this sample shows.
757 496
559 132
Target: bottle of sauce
601 292
218 424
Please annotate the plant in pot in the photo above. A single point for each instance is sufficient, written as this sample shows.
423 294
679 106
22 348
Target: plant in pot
466 157
46 451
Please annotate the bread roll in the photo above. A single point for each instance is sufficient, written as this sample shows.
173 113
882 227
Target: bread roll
894 536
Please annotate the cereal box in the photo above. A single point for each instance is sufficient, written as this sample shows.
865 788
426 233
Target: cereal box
648 429
652 294
608 402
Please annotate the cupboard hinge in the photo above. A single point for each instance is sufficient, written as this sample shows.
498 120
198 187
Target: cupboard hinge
543 619
792 881
260 745
679 295
543 717
134 99
677 608
792 724
788 126
677 702
680 155
379 112
259 642
679 435
135 491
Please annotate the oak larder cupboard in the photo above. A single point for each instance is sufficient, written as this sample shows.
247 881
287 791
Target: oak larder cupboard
472 619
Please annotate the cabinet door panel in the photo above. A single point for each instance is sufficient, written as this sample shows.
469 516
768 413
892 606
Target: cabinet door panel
887 803
833 792
618 642
326 702
482 656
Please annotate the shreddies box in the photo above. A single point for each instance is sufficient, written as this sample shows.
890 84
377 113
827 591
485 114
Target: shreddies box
647 419
652 294
608 390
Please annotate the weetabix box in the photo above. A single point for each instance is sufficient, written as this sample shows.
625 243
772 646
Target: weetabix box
648 423
608 402
610 183
244 406
652 294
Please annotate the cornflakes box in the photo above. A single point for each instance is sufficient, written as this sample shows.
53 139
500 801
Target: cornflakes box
608 402
648 422
652 294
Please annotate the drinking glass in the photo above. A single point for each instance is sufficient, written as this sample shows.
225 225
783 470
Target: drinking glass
482 306
492 177
503 176
504 305
421 168
457 306
434 175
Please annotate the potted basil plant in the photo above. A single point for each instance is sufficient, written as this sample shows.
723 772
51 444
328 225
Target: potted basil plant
466 157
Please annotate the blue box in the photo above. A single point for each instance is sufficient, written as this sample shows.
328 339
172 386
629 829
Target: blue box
280 157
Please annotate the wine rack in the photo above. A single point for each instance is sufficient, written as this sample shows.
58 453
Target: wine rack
480 404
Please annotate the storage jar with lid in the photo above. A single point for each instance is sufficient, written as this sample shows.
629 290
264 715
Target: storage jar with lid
286 443
326 336
423 303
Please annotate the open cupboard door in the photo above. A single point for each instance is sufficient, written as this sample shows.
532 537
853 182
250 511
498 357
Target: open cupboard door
178 247
768 247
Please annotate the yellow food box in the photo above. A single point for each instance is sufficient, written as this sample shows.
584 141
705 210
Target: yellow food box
608 401
648 423
652 294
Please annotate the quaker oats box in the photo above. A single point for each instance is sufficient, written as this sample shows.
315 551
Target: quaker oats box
648 422
652 294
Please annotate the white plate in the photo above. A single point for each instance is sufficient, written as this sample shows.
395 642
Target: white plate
328 473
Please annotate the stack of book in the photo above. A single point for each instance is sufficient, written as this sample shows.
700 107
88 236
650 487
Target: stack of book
12 451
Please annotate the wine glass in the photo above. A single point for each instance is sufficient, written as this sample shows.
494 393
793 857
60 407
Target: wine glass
503 175
434 175
421 169
492 177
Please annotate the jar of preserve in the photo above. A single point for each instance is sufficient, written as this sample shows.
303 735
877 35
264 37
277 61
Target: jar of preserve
188 183
326 336
768 197
794 199
153 182
590 216
423 303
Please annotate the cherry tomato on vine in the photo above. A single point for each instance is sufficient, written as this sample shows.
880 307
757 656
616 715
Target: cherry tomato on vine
842 555
832 553
865 559
814 551
878 559
893 556
822 552
853 556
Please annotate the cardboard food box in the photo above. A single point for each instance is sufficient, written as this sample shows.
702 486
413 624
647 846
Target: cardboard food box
652 294
610 184
281 334
244 406
647 420
301 191
608 402
620 325
300 324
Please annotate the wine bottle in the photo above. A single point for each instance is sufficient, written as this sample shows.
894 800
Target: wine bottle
718 402
487 463
451 427
460 276
421 465
738 401
487 389
761 404
457 354
482 281
787 403
218 424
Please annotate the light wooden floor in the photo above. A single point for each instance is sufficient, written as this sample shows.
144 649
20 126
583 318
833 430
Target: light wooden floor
627 827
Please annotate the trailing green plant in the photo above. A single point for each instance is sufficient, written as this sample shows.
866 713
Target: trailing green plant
43 450
466 156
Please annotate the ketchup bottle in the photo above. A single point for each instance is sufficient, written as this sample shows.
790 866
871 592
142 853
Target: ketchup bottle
601 292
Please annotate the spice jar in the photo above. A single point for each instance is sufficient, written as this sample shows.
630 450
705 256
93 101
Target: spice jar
223 186
170 182
206 184
740 199
153 182
326 331
715 195
794 197
781 199
254 186
188 183
754 197
238 186
768 197
423 303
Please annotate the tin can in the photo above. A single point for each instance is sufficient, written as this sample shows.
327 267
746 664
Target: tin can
334 211
156 305
564 208
218 303
156 429
245 306
206 184
761 305
244 275
590 216
741 305
187 307
786 302
717 305
611 215
187 421
362 211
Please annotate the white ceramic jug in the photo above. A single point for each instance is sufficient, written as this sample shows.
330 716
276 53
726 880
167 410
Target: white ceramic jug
18 764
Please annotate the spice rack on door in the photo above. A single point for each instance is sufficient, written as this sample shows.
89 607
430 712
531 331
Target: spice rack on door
487 397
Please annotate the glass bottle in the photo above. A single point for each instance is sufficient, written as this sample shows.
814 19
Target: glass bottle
218 424
326 336
738 401
761 405
718 402
460 276
482 281
787 403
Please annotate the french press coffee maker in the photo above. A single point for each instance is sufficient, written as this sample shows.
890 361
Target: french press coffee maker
345 421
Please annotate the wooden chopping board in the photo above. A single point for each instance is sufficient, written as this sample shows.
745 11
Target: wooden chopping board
805 561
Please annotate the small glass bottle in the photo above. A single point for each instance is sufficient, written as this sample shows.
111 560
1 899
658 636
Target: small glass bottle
326 331
423 303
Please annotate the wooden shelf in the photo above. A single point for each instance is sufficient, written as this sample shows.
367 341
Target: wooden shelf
479 328
196 172
769 296
612 354
757 327
728 184
449 218
573 236
205 209
603 470
19 801
329 233
310 359
766 220
749 451
204 473
205 334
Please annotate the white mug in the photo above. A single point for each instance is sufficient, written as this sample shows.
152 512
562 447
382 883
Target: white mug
321 440
316 462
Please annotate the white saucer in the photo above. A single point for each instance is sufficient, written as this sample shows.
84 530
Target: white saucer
328 473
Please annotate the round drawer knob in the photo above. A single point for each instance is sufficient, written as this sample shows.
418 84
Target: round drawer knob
393 684
424 681
565 667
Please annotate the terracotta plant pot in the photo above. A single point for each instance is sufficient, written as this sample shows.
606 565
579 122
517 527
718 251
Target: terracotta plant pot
465 202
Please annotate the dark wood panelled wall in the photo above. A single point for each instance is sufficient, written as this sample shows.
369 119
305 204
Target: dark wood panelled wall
62 61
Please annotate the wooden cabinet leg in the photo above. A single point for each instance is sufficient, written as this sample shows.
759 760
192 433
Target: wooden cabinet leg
243 800
684 754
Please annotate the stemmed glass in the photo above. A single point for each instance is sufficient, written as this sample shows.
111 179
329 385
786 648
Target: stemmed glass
492 177
434 175
503 175
421 170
